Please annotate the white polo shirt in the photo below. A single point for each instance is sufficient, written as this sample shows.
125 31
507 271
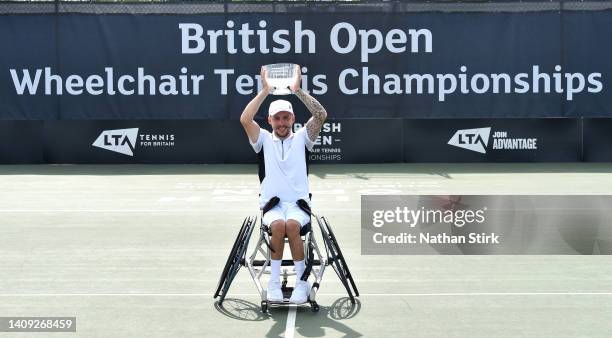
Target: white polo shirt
285 164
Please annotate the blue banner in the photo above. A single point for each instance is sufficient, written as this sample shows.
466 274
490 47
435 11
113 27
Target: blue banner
379 65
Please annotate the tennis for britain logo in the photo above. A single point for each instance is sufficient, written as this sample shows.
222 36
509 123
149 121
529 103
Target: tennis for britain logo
477 140
124 141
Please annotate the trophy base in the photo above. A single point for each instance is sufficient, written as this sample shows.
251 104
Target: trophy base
281 91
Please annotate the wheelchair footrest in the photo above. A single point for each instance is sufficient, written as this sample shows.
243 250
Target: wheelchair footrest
285 262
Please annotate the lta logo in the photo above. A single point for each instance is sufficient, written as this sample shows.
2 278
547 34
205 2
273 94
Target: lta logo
121 141
471 139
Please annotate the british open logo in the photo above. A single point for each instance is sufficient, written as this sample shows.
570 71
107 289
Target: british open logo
328 146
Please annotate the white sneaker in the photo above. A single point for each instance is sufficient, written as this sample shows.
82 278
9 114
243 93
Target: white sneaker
300 292
274 293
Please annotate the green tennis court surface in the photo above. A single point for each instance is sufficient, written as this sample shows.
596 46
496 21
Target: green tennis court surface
137 251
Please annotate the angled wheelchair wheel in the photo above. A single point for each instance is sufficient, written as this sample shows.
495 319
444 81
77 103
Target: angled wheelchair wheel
338 262
235 259
238 258
230 258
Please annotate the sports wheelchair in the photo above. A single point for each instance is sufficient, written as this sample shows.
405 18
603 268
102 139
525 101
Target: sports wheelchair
258 262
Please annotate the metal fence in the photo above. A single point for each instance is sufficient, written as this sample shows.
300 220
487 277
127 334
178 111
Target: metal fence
284 6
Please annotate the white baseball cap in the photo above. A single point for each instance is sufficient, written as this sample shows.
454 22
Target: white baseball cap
278 106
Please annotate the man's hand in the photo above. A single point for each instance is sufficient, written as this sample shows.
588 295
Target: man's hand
246 119
295 86
265 86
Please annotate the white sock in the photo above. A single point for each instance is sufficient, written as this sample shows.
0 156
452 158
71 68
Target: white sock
299 267
275 267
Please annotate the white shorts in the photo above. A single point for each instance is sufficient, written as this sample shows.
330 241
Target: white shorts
285 211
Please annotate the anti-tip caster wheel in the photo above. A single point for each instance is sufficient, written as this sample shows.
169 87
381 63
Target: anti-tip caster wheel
264 306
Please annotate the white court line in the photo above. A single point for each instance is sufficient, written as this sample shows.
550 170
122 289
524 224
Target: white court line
290 327
16 211
319 294
93 210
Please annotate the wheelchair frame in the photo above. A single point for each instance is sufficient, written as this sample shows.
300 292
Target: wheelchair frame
258 267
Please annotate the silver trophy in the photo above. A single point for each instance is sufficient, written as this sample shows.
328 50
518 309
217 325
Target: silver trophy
280 77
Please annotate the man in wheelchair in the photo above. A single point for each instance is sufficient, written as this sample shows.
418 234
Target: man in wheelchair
285 176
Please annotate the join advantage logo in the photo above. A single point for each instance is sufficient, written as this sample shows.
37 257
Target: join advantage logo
118 140
471 139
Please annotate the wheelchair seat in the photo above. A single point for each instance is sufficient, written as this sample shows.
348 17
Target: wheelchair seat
306 228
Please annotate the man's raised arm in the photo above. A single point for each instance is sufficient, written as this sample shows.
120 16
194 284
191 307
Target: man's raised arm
314 124
248 114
